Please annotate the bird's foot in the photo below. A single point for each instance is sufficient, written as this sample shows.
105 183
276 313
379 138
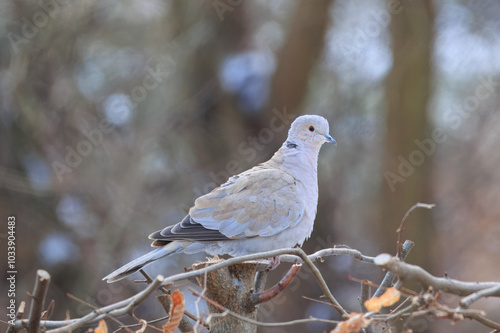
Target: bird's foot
273 263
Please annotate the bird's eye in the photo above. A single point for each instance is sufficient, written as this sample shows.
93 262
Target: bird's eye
311 128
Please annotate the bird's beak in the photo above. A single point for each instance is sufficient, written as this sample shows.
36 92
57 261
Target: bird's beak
330 139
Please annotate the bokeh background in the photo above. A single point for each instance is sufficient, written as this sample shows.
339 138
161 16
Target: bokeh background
115 116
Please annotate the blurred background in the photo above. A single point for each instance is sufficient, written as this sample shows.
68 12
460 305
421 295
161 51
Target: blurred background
115 116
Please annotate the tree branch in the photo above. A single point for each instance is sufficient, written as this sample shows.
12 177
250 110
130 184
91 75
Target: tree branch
37 303
120 308
467 301
114 310
274 291
389 276
328 252
402 224
264 255
408 272
255 322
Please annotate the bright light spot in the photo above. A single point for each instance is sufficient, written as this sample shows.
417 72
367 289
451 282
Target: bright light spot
118 109
72 211
58 248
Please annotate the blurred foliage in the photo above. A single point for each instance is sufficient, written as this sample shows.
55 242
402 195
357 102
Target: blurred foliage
115 116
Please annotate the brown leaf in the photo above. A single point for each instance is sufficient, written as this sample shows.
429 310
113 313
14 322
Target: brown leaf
102 327
390 297
176 312
354 324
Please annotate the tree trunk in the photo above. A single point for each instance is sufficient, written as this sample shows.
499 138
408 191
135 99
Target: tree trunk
407 94
230 287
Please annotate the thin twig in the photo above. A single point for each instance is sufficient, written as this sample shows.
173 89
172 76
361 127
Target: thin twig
402 224
408 272
37 303
264 255
117 309
467 301
149 322
256 322
329 252
483 320
187 314
365 294
93 307
274 291
19 315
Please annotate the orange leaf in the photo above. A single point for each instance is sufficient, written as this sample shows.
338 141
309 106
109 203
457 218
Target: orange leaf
102 327
390 297
355 323
176 312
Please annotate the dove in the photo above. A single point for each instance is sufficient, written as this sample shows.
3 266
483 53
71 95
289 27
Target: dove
270 206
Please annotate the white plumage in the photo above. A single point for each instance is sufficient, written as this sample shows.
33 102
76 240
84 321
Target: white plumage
271 206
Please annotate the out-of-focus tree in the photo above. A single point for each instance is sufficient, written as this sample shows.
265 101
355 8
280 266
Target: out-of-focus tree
408 91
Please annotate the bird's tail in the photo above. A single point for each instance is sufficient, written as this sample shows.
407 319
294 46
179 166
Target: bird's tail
142 261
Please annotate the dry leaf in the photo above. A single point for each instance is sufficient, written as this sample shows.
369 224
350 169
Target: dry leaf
176 312
102 327
390 297
354 324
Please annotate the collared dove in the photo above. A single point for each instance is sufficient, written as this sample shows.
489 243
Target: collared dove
270 206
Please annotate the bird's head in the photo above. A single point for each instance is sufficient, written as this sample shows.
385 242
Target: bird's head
310 130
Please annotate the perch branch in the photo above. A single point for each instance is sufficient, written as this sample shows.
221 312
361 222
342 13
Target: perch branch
272 292
120 308
255 322
326 253
39 294
264 255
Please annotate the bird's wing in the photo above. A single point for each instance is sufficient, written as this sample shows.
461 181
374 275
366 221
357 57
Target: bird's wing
187 230
259 202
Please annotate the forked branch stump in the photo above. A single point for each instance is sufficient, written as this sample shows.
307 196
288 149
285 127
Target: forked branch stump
231 287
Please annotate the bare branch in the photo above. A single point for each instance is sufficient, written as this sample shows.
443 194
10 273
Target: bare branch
483 320
329 252
274 291
255 322
264 255
389 276
467 301
114 310
365 294
408 272
402 224
19 315
37 303
166 291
